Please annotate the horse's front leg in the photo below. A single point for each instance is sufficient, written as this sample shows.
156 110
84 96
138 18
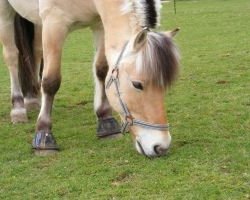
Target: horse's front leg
54 34
107 125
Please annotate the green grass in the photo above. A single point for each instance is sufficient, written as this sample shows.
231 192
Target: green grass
208 108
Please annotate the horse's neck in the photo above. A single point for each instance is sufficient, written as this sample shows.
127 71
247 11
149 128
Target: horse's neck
115 39
118 29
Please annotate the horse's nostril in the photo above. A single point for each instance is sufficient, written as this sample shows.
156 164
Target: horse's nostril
160 150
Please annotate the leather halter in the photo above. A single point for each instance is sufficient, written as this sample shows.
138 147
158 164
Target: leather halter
129 120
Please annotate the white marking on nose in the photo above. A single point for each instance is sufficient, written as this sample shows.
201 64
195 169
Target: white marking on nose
152 142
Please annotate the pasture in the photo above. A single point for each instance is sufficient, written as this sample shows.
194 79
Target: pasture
208 109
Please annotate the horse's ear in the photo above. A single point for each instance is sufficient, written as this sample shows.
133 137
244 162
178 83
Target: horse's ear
172 33
140 39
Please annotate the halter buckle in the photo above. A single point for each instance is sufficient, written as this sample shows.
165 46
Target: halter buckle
114 76
115 73
129 119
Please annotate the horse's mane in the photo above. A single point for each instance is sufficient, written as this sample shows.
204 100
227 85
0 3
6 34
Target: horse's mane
145 12
158 60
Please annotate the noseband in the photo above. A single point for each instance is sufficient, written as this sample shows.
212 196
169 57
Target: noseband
129 120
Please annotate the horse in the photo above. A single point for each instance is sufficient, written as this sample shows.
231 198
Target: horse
133 65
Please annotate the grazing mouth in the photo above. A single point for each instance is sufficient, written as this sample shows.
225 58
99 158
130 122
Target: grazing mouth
141 149
158 151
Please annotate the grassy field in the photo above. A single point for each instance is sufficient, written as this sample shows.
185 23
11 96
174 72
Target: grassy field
208 108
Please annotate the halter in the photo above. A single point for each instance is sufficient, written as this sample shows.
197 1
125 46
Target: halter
129 120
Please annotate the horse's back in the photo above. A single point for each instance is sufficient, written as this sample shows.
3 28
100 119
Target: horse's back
74 12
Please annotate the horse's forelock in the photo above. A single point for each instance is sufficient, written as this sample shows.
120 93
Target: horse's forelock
158 60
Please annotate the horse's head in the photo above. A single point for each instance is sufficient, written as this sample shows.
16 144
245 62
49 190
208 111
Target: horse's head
135 87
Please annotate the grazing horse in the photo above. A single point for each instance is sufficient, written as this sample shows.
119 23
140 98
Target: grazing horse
132 67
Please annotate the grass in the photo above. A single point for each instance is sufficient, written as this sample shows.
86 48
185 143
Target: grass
208 108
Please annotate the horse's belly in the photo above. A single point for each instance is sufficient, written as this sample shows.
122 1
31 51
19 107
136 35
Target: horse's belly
28 9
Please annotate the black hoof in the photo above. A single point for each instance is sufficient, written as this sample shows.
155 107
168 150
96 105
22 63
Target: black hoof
44 142
108 127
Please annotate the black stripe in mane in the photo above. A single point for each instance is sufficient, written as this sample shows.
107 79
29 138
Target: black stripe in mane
151 14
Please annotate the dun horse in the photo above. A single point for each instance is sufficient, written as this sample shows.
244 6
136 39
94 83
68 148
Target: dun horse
132 68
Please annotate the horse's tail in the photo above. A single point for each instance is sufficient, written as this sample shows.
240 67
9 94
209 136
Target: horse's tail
24 37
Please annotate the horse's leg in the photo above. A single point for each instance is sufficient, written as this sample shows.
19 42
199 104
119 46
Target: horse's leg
107 125
33 101
54 35
27 38
10 54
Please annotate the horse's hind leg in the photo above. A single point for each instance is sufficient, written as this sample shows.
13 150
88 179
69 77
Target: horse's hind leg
107 125
32 101
10 54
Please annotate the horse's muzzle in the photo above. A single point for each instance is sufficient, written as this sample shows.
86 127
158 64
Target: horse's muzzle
153 144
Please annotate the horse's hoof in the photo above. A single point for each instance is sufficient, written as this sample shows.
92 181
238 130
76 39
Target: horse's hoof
18 115
45 152
108 127
32 103
44 144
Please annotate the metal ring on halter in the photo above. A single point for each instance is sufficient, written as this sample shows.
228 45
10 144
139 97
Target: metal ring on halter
115 70
129 119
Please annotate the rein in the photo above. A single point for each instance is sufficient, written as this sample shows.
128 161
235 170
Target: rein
129 120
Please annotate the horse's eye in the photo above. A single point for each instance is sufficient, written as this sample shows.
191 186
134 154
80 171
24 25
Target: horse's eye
137 85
